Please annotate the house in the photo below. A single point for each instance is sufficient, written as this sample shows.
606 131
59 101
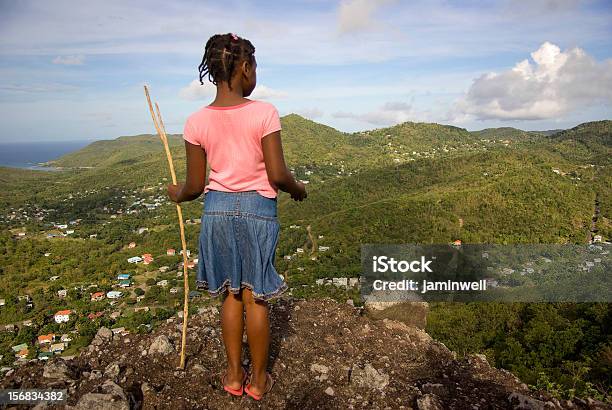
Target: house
2 302
93 235
163 269
141 308
62 316
114 294
118 330
97 296
22 354
44 355
597 238
457 242
323 248
62 293
170 252
93 316
53 278
19 347
57 347
287 257
63 226
194 294
188 252
123 276
299 250
142 230
173 290
47 253
125 283
27 322
134 259
139 298
163 283
69 231
131 245
49 338
147 258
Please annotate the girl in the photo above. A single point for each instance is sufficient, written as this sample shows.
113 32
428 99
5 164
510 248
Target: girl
240 139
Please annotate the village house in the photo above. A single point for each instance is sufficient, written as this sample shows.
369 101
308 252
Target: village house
93 235
132 245
57 347
134 259
123 276
170 252
139 298
142 230
457 242
118 330
147 258
323 248
53 278
23 354
141 308
97 296
44 355
163 283
114 294
27 322
49 338
163 269
93 316
69 231
173 290
62 316
2 302
299 250
125 283
62 293
188 252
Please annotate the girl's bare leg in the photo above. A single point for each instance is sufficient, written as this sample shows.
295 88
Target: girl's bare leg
258 334
232 325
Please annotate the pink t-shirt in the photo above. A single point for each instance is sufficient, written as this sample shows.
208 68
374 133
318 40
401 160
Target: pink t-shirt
231 137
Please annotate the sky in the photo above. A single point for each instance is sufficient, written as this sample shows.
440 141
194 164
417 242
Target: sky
75 70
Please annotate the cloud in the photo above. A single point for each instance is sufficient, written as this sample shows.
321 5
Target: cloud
69 60
310 112
197 91
555 84
388 114
355 15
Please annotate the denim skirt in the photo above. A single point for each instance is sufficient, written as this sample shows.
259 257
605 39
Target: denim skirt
237 244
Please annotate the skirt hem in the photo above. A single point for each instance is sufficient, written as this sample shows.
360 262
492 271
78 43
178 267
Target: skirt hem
226 286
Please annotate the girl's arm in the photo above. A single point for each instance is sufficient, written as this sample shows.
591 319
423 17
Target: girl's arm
196 176
278 173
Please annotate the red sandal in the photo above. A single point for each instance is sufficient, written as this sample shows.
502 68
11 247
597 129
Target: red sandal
259 396
234 392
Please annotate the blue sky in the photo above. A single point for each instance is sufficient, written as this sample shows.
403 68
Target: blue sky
74 70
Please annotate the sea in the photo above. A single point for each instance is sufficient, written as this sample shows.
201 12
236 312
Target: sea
28 154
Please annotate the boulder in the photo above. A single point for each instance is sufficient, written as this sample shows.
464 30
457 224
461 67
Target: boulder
161 345
103 336
370 377
58 370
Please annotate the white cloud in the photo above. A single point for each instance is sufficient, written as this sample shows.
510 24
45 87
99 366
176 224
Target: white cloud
69 60
355 15
388 114
197 91
557 83
310 112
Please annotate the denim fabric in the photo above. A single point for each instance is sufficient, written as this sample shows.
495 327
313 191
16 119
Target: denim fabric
238 239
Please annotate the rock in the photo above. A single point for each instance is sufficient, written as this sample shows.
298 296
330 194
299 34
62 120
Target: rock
161 345
112 371
103 336
319 368
429 402
57 369
434 388
329 391
100 401
199 368
370 377
520 401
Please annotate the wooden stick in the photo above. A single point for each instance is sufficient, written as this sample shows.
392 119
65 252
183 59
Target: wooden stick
161 131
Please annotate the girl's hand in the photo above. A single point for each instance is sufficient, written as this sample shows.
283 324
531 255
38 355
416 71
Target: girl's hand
174 191
300 194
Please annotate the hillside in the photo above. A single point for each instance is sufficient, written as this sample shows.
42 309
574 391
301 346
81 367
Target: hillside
324 355
410 183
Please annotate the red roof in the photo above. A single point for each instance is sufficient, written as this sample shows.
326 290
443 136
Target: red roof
63 312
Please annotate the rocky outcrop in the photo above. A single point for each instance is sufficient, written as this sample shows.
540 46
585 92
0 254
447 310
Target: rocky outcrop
324 355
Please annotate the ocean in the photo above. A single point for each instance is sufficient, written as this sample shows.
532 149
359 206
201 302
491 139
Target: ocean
28 154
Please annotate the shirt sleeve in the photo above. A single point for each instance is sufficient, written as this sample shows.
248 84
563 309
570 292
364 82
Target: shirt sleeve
271 122
190 135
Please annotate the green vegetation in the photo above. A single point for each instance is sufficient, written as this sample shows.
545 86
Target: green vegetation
410 183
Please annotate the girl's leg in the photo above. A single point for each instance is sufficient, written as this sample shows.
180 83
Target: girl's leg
258 334
232 327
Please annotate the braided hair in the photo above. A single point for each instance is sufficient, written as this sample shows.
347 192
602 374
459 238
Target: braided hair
223 53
